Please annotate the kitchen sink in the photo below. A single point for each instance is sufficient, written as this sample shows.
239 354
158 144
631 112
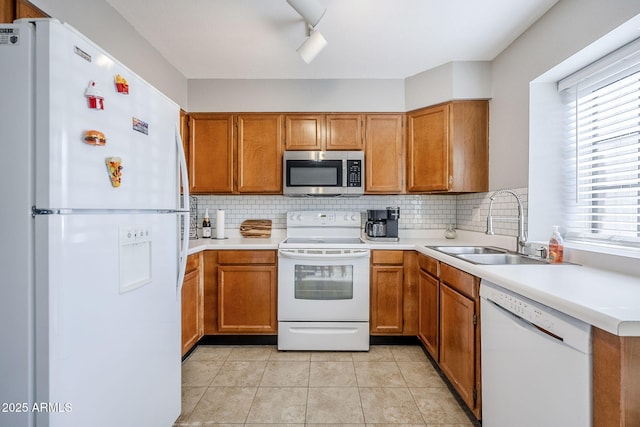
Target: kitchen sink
458 250
499 259
487 255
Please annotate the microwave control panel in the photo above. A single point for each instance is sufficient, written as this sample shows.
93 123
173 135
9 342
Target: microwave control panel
354 173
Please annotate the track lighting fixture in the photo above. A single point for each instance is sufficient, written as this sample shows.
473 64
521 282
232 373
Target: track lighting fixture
312 12
312 46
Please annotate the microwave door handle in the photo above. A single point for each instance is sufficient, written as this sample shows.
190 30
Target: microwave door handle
345 167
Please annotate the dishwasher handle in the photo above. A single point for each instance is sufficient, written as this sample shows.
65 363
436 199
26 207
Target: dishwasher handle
525 323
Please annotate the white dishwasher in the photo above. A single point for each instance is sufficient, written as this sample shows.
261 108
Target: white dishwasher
536 363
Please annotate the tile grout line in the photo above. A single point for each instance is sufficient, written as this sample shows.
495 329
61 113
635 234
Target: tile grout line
355 374
266 363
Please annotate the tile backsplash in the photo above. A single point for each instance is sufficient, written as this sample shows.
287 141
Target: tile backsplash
416 211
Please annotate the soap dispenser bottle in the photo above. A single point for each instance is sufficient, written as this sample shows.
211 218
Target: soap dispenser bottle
556 246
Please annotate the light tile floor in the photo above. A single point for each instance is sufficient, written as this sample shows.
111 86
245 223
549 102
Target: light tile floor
259 385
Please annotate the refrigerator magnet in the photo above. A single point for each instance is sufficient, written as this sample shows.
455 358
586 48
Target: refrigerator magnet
140 126
121 85
94 96
94 137
114 167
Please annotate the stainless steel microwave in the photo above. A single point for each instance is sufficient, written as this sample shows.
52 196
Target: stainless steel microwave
323 173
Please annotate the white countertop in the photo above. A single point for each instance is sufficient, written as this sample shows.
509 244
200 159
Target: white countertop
605 299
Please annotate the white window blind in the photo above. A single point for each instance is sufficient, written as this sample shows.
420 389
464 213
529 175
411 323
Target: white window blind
602 151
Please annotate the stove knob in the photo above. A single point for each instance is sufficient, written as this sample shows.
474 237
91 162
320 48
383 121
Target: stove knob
354 217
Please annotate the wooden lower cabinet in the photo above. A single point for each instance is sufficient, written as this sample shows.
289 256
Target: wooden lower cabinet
192 304
449 325
616 380
428 303
457 342
386 299
240 292
459 355
247 299
394 293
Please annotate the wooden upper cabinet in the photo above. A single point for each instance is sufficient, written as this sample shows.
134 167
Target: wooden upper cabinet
384 153
25 9
15 9
304 131
259 148
344 132
428 149
210 153
315 132
447 148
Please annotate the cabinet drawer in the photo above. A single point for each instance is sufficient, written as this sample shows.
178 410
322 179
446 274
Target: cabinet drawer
387 257
428 264
193 262
463 282
246 257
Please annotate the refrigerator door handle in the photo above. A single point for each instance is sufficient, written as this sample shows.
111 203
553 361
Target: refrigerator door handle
184 180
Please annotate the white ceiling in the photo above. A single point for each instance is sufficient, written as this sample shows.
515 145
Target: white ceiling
367 39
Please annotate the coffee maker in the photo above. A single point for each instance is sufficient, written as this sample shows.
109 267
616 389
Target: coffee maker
382 224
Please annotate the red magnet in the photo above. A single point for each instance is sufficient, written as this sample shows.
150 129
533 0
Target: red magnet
96 100
121 84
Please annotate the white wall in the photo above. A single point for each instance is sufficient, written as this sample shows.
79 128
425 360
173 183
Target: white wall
567 28
97 20
296 95
454 80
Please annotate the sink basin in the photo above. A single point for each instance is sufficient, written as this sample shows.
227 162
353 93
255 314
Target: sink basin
499 259
458 250
487 255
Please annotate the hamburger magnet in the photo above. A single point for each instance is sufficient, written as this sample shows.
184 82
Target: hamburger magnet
94 137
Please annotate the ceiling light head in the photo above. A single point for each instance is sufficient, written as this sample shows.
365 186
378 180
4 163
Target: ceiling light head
310 10
312 46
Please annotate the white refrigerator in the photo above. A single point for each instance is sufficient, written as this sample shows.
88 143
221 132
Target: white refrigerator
92 242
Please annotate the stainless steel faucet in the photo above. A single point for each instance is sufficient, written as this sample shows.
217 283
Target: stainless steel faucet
522 234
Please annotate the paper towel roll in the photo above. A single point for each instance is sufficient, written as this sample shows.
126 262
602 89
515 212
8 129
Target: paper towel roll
220 224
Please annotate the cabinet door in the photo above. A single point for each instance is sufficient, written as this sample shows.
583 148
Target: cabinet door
386 299
457 342
469 137
384 154
191 310
428 312
428 152
304 131
259 150
210 153
344 132
25 9
247 299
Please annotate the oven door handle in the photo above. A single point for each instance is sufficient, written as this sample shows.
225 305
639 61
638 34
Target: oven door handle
324 256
